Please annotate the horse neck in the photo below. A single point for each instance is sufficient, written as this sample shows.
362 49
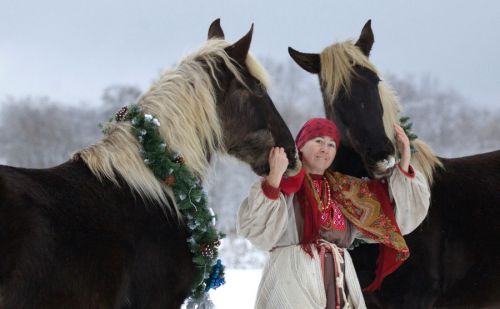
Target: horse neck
348 161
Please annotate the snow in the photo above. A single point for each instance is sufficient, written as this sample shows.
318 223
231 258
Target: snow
239 291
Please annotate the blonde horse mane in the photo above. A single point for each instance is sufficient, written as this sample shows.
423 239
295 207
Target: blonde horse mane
337 69
183 100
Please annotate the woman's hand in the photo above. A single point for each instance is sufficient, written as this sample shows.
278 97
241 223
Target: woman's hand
403 144
278 163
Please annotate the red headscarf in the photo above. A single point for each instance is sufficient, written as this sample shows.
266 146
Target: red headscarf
312 128
317 127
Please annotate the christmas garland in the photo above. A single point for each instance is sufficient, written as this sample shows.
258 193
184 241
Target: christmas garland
203 239
407 125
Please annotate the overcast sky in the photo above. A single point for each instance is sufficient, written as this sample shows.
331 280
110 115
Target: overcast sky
71 50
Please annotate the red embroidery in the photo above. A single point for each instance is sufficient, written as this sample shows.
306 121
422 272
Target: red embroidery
338 219
331 216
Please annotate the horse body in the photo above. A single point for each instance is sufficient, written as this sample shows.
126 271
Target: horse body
454 260
101 231
71 241
454 257
465 201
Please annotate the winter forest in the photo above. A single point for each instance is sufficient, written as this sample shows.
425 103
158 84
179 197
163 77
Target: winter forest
39 132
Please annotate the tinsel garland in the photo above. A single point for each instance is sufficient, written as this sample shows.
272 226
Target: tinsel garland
191 200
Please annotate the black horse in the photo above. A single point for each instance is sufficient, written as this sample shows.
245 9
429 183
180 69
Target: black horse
100 231
455 256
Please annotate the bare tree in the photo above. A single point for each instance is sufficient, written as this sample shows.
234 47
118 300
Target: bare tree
116 96
446 120
295 93
38 132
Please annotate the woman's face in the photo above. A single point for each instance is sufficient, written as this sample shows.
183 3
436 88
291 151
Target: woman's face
318 154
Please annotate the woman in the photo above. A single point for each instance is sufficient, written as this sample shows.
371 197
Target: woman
307 221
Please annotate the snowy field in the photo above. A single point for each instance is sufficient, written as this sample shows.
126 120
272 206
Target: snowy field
239 291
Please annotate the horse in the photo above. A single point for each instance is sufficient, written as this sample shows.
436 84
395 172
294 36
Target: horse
100 230
454 254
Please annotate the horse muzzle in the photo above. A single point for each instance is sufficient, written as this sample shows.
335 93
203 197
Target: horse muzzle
383 168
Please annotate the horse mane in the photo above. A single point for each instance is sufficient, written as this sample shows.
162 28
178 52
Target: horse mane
184 102
337 69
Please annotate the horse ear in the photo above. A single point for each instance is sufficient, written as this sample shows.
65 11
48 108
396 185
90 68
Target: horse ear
215 30
309 62
366 39
239 50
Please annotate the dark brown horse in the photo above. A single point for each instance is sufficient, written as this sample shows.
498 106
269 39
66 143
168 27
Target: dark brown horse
455 256
100 231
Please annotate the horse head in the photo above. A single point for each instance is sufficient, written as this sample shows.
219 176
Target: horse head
250 122
353 99
214 101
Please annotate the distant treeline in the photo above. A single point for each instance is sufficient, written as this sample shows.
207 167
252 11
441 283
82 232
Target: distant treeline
39 132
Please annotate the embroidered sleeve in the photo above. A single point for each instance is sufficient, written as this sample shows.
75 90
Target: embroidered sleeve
270 191
410 173
262 220
292 184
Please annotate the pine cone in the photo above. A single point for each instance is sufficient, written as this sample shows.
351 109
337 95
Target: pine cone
170 180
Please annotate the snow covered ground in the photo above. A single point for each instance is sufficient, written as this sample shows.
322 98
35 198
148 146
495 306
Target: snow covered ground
239 291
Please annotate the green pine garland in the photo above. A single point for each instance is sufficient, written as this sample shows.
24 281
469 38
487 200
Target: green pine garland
191 200
407 125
